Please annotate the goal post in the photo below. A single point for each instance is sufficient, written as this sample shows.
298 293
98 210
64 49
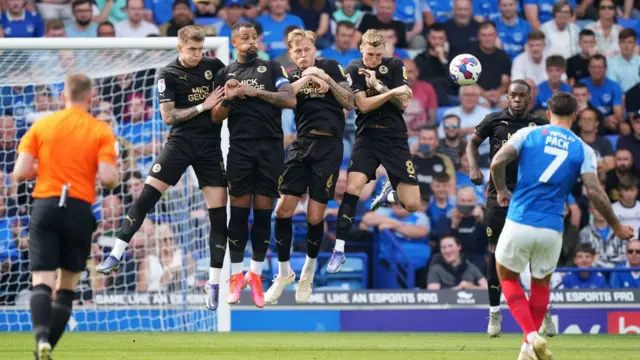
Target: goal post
160 284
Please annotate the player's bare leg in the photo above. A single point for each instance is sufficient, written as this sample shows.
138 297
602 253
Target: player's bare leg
284 234
238 235
355 184
315 234
151 193
521 311
216 197
407 195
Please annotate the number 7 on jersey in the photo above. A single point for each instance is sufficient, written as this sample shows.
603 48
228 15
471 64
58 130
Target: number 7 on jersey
560 157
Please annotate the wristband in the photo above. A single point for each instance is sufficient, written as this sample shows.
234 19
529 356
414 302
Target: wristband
226 103
200 108
379 87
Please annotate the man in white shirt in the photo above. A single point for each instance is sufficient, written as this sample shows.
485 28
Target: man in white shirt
561 34
624 68
532 62
135 26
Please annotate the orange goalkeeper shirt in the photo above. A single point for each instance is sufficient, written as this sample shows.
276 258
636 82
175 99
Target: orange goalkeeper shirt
69 145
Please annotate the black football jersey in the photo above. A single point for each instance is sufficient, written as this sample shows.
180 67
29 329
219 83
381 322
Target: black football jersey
390 73
188 87
252 117
316 111
498 127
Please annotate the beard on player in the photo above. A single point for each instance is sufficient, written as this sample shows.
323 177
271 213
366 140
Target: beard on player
519 97
245 40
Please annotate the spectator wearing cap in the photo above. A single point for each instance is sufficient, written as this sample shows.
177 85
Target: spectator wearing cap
113 11
606 95
628 279
82 24
383 19
135 25
584 259
561 34
624 67
512 29
274 25
631 142
182 16
342 50
18 22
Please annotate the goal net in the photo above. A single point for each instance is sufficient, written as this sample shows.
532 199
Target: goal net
160 284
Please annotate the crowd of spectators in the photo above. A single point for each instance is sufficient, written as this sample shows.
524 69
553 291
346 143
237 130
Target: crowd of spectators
589 48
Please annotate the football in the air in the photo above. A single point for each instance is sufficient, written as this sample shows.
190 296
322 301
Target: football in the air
465 69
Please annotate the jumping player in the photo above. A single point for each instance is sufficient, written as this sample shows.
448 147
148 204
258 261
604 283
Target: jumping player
314 161
64 151
256 91
381 95
552 158
186 96
499 127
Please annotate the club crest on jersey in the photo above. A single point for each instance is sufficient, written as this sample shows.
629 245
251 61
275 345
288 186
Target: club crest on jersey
284 72
404 73
208 75
161 86
489 231
342 70
156 168
532 124
383 69
262 69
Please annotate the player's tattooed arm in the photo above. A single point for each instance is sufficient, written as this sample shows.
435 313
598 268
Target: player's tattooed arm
599 198
400 101
503 157
173 116
283 98
342 92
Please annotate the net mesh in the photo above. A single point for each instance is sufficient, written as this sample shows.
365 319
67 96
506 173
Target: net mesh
159 285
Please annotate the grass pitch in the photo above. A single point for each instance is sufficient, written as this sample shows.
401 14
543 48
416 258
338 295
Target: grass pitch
314 346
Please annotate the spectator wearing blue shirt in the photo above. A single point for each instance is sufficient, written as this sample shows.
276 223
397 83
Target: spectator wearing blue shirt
82 24
556 66
441 202
409 12
274 24
409 229
512 30
606 95
234 11
342 51
624 68
583 259
437 11
160 11
541 11
487 10
628 279
18 22
463 179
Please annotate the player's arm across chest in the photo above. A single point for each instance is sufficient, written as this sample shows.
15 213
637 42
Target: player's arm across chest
190 97
276 91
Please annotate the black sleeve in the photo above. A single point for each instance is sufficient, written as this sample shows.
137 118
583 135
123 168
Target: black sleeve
355 79
166 87
336 72
485 128
398 72
279 74
218 80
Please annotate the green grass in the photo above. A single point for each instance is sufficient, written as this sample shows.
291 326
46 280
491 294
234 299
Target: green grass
314 346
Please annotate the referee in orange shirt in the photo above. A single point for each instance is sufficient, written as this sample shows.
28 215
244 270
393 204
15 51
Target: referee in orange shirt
64 151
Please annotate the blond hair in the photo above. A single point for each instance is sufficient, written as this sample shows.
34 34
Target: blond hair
191 32
372 37
78 87
298 35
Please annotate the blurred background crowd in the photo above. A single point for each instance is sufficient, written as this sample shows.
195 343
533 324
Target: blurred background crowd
588 47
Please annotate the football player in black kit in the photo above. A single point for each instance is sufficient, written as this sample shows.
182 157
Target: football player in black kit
381 95
255 93
498 127
186 96
314 161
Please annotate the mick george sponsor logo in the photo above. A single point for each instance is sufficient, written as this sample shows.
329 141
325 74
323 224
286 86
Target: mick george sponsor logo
624 322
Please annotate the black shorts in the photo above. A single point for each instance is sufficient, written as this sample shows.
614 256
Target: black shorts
255 167
180 152
314 162
494 218
371 150
60 238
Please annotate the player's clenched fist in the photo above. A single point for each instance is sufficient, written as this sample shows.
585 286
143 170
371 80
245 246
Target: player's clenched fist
231 89
370 75
319 85
624 232
403 90
213 99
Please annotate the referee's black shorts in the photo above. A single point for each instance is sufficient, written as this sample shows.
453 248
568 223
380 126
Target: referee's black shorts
202 153
60 237
494 219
